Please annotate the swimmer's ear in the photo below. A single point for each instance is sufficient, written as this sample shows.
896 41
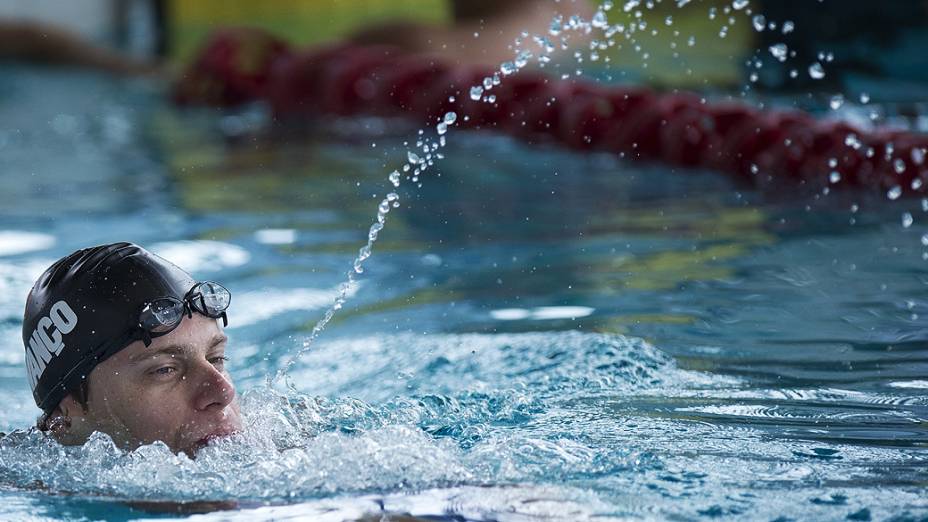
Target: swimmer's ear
54 422
65 421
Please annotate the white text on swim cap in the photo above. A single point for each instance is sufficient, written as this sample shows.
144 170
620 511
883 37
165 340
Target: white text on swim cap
47 340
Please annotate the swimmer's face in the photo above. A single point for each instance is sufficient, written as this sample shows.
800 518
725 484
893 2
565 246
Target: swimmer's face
176 390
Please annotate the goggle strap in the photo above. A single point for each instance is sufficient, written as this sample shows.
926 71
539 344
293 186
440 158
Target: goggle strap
146 337
225 320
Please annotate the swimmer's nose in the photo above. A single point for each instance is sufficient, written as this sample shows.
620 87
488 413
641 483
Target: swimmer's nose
214 390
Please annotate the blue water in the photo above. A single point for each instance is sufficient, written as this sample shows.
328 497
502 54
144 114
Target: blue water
539 335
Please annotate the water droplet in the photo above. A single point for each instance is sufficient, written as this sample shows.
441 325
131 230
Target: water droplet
925 239
834 177
395 178
599 20
441 128
779 51
816 71
899 166
917 183
833 162
631 4
413 158
836 102
864 98
852 141
476 92
759 22
918 156
491 98
907 220
894 192
788 27
740 4
507 68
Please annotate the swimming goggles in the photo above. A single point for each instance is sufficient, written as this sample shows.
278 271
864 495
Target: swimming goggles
162 315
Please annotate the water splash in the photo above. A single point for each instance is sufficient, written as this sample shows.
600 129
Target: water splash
816 71
420 164
605 419
300 446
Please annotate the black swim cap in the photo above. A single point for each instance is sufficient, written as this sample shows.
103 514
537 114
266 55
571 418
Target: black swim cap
85 308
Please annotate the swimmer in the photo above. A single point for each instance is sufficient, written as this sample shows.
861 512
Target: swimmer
36 42
120 341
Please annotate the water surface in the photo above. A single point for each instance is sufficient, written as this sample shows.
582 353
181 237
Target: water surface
539 334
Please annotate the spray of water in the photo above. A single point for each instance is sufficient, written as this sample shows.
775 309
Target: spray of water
601 35
426 153
418 161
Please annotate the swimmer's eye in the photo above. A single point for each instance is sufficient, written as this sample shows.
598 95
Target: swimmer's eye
219 362
164 371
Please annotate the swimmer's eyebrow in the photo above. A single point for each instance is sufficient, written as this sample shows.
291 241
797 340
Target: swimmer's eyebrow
176 349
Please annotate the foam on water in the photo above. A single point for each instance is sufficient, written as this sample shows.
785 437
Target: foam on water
467 431
565 426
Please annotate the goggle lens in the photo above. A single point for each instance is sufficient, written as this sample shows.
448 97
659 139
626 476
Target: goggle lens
213 298
162 315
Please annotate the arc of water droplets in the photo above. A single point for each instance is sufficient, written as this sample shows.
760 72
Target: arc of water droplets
420 164
417 163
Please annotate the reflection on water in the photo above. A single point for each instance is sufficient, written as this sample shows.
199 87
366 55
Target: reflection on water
538 334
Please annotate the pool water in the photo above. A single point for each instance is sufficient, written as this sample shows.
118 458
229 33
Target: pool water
539 335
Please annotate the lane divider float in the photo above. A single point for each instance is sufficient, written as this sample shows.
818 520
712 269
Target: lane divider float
243 65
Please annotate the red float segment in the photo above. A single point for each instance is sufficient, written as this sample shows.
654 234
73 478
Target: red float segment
686 131
681 129
724 150
234 67
894 161
298 82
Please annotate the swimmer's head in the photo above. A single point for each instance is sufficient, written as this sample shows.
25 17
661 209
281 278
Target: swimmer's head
122 341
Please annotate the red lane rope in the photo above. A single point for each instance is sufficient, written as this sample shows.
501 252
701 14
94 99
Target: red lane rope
242 65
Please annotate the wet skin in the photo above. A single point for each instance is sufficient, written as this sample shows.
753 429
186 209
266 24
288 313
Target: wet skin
176 390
